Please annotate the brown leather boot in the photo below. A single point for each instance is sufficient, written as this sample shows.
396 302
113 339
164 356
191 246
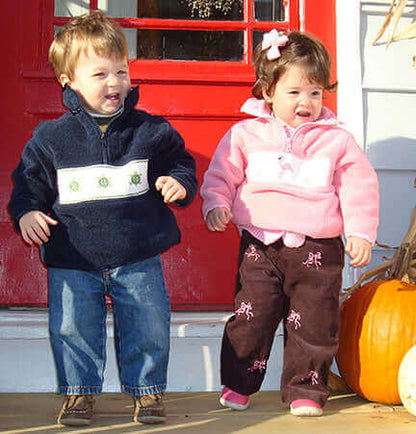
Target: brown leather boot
149 409
77 410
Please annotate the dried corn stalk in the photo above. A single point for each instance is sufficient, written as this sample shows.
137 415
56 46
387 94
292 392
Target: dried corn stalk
402 266
408 33
394 16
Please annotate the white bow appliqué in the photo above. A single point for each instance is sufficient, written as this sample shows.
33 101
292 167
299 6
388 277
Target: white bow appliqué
272 41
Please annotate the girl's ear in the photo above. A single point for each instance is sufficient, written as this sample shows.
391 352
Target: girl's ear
265 94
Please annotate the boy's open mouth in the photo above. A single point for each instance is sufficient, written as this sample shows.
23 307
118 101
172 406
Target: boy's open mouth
113 96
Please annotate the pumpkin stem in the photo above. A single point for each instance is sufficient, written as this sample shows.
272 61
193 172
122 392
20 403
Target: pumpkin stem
402 260
378 272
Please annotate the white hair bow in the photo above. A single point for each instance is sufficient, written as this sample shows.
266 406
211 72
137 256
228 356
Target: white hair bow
272 41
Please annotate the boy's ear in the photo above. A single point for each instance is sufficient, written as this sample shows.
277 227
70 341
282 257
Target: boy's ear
64 79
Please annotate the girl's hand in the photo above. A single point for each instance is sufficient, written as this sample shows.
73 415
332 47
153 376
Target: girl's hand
218 218
170 188
34 226
360 251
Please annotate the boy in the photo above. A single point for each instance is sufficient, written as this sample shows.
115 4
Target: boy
91 190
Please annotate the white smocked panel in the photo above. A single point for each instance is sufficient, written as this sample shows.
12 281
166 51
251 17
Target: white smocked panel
102 181
280 167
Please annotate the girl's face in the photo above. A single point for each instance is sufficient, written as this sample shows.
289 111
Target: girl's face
295 100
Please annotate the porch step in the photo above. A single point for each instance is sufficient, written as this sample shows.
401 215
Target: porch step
27 365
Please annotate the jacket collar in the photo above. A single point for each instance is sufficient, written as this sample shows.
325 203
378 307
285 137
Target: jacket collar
72 101
261 109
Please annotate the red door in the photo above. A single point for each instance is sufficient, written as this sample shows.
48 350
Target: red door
193 65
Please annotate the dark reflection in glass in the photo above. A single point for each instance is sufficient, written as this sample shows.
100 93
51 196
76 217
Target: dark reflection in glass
269 10
257 38
189 45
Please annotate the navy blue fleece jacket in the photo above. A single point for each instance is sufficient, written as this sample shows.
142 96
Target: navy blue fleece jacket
101 186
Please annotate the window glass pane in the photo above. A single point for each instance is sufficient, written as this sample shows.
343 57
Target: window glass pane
119 8
269 10
131 36
189 45
174 9
257 38
70 8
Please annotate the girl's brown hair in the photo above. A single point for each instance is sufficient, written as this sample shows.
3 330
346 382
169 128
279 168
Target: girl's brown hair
301 48
79 33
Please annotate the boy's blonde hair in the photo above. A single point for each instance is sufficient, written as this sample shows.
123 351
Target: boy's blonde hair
301 48
81 32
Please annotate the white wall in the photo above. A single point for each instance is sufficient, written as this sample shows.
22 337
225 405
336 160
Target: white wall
377 100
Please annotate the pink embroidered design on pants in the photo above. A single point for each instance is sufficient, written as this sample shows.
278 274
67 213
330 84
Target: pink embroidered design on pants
294 318
245 309
252 253
313 260
258 365
313 376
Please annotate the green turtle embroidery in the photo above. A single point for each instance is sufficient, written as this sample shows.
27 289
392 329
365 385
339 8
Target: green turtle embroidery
135 179
74 185
103 182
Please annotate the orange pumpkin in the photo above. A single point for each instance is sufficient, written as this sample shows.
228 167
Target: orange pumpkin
378 327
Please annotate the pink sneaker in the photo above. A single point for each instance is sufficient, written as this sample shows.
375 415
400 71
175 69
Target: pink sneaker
305 408
233 400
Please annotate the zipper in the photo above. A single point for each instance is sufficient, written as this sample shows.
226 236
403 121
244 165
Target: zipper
103 135
289 139
291 133
299 128
104 146
103 139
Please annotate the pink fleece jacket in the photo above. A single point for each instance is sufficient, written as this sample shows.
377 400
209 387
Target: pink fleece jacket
318 182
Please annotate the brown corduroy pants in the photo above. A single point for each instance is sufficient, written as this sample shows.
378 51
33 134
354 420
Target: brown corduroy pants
299 286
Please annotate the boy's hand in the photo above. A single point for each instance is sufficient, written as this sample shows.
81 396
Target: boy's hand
170 189
360 251
34 226
218 218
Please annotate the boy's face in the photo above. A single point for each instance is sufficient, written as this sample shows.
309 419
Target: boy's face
295 99
101 82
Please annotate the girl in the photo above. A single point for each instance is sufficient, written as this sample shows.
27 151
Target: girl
292 180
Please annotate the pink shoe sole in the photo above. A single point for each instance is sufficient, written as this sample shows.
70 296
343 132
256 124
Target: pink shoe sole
234 400
305 408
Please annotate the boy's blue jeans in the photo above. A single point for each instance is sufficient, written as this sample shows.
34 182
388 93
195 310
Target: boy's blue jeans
77 327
